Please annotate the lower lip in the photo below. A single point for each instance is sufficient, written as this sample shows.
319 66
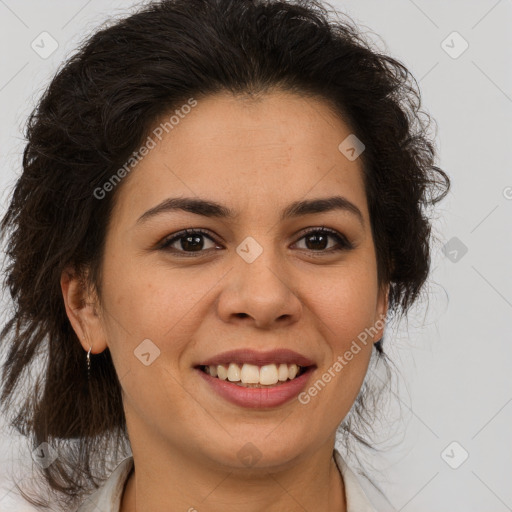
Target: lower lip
257 398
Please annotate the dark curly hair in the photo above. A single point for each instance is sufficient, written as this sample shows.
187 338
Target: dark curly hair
96 111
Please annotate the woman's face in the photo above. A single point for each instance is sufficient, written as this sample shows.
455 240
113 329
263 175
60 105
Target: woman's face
256 281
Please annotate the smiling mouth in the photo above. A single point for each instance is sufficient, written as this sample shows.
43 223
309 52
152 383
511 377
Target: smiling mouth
253 376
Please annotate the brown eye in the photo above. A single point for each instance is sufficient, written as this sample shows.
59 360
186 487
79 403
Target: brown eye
192 241
187 241
318 240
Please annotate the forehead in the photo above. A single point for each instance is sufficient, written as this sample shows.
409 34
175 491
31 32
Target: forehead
250 152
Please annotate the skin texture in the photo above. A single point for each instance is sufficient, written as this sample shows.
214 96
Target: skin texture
255 155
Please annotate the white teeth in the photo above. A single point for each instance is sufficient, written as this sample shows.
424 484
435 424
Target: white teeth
233 372
282 373
222 372
250 374
266 375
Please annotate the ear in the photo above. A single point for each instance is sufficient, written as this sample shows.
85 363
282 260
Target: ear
380 313
82 308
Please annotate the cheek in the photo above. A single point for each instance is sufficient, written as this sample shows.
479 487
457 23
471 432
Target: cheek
154 302
346 301
151 303
345 308
342 308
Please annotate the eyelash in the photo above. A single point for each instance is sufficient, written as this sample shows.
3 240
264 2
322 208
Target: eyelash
342 241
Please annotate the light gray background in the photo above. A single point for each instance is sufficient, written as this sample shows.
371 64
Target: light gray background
454 358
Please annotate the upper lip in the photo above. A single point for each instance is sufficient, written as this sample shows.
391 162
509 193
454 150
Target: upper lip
250 356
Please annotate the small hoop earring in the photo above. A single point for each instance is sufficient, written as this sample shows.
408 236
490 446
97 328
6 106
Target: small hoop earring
89 364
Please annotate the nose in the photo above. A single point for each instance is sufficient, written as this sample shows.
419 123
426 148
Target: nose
259 294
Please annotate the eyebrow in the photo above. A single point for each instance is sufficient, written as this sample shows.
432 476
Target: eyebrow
208 208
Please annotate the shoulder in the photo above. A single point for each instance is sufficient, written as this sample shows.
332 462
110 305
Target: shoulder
357 500
108 497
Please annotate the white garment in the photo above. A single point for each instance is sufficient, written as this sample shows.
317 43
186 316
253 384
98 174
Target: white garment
107 498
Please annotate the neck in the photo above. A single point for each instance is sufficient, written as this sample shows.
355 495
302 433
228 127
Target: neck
302 487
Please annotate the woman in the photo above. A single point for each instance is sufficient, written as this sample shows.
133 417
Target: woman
221 204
